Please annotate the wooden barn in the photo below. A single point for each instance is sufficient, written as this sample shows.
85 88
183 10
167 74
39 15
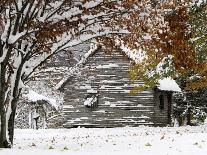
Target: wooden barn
100 96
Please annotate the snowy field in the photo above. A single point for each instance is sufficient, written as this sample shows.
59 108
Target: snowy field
118 141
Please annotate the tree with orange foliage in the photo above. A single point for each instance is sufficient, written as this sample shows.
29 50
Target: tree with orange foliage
172 36
192 103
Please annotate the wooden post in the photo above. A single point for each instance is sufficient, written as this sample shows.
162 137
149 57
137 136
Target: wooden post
169 98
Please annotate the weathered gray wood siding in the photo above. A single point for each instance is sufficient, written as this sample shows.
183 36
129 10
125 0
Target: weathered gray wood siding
162 117
117 107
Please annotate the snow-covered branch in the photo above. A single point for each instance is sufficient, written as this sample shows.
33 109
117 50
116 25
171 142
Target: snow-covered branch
75 69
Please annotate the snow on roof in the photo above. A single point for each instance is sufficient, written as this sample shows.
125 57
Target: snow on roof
136 55
110 65
168 84
34 97
93 48
92 91
73 70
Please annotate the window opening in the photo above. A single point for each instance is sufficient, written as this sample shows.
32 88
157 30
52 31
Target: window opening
161 99
91 100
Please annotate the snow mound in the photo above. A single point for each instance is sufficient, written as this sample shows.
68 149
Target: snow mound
168 84
34 97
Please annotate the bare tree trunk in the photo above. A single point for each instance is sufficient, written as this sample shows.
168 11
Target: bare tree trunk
3 137
4 142
11 122
189 116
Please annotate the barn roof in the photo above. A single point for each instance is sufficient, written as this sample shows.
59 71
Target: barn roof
75 69
166 84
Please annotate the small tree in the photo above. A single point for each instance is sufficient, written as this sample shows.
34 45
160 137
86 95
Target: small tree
190 106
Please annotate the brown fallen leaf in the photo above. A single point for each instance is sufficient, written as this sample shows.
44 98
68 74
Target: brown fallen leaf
163 136
33 144
148 144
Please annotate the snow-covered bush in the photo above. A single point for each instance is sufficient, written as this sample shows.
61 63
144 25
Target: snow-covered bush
190 106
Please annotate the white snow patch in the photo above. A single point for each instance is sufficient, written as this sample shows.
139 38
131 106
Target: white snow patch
110 65
84 118
107 103
34 97
90 101
100 111
169 84
113 105
92 4
111 141
137 55
92 91
35 115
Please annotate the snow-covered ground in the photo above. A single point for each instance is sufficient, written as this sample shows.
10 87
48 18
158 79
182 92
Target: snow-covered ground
118 141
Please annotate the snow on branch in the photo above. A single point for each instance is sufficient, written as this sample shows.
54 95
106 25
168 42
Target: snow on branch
34 97
136 55
74 70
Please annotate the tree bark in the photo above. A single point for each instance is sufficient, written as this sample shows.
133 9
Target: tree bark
4 143
11 122
189 116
